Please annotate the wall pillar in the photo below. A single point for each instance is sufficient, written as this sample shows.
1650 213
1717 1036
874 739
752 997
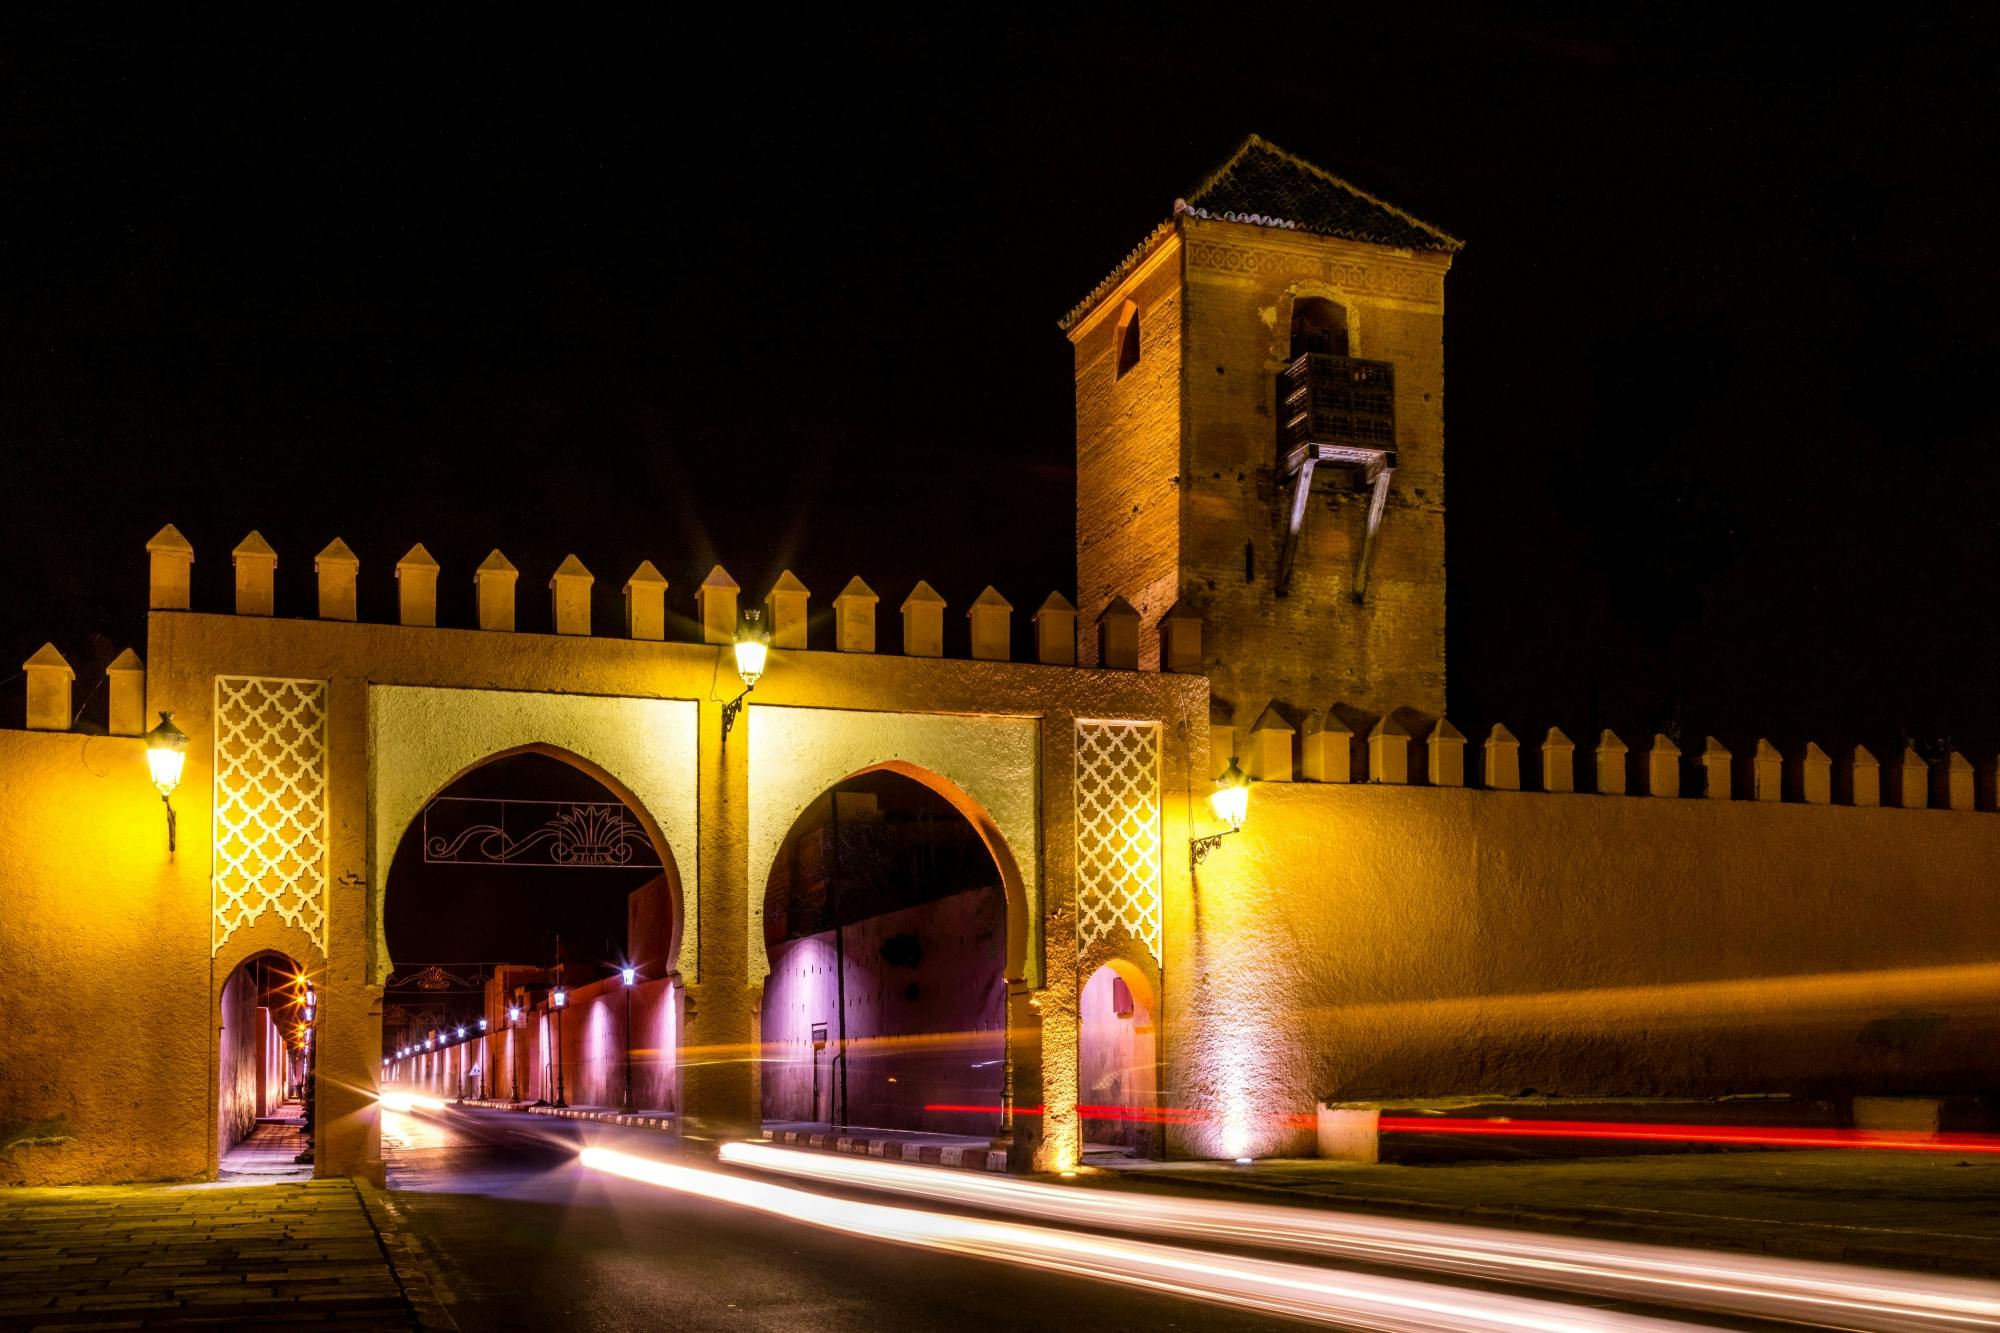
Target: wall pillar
721 1084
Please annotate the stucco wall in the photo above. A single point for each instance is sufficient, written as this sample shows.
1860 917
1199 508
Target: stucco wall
798 753
420 739
1361 942
923 1022
99 933
240 1061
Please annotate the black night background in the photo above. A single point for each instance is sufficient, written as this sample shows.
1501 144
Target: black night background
1720 436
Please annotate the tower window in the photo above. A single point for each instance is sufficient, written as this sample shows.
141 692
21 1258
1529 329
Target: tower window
1128 339
1319 326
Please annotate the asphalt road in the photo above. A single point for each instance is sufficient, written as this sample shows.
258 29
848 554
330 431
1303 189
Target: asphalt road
519 1235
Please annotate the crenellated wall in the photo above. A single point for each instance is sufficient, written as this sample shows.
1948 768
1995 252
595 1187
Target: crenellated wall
1386 941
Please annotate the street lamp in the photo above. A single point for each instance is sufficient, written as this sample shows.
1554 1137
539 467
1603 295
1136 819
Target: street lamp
630 976
1230 803
753 646
559 1001
513 1049
166 755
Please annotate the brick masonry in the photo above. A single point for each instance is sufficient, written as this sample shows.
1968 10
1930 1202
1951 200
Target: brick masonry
1176 472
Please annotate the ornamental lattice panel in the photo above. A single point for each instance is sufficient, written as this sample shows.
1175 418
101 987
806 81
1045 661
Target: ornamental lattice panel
270 804
1118 832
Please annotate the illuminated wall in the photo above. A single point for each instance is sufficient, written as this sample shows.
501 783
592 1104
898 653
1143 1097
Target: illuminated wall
924 1012
1380 943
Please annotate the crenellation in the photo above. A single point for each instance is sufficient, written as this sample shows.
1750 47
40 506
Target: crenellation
338 569
1501 766
785 606
1765 771
1055 631
125 681
854 617
1718 767
569 597
1118 636
645 594
1270 747
256 576
493 584
49 679
1862 774
715 602
923 622
992 626
169 557
1663 767
1610 761
416 587
1558 762
1445 751
1389 751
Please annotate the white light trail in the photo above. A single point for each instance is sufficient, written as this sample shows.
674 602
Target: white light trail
407 1102
1300 1291
1816 1293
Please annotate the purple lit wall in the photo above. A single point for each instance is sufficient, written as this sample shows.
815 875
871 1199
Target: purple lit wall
1118 1065
924 1018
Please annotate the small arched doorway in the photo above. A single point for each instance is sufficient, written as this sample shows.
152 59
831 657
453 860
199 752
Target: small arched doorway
886 932
531 913
266 1013
1118 1063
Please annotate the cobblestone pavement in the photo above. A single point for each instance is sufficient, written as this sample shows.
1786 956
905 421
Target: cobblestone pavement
1894 1209
285 1256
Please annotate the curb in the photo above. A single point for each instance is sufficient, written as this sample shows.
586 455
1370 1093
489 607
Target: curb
632 1119
895 1150
406 1260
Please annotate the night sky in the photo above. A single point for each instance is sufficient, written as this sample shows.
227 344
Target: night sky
1721 354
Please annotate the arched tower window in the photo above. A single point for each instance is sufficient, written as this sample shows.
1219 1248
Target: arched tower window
1318 325
1128 338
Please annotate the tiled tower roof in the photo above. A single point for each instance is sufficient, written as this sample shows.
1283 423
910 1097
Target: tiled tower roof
1262 184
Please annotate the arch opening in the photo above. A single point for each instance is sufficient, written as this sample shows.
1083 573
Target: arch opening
887 929
264 1026
531 915
1118 1063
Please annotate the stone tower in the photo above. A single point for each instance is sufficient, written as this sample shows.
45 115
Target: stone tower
1260 436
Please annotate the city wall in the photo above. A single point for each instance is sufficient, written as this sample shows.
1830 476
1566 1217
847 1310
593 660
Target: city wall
1382 942
105 1008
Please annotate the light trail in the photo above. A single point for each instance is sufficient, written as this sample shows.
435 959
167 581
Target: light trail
1794 1290
1299 1291
407 1102
1757 1136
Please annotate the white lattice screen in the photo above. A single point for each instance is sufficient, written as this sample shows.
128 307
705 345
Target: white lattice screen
1118 831
270 804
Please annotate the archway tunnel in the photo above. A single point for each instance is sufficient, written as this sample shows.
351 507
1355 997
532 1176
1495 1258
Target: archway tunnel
529 913
265 1017
885 926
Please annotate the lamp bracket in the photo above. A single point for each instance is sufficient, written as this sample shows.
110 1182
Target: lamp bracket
731 709
1199 848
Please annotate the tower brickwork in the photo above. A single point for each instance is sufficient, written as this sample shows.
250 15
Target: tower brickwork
1183 493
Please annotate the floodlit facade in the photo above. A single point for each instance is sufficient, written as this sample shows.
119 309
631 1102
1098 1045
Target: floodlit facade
1404 917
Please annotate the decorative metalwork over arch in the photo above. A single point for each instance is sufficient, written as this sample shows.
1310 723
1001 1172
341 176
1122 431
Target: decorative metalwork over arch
1118 832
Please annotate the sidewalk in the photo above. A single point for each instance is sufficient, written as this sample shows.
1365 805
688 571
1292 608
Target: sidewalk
1932 1211
301 1256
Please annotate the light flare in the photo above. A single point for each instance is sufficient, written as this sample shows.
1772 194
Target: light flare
1814 1293
1351 1300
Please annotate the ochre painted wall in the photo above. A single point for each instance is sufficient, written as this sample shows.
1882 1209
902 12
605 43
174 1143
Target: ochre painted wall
103 946
1377 942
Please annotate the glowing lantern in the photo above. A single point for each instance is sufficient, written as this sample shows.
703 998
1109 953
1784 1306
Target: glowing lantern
1231 798
166 755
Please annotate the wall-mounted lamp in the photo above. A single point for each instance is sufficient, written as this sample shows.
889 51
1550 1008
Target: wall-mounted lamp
1230 802
629 975
166 755
559 997
753 646
513 1013
482 1025
461 1033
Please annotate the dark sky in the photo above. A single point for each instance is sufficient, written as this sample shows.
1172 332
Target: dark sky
1721 352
